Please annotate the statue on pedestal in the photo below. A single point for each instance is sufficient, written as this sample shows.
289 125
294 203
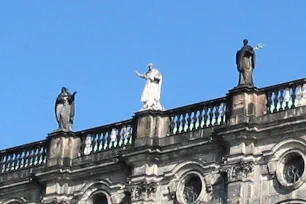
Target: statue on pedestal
245 60
64 109
152 90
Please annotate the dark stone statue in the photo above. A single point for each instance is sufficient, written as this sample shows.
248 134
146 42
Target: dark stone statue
64 109
245 60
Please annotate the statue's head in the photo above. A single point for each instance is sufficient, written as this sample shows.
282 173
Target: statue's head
150 66
245 42
64 89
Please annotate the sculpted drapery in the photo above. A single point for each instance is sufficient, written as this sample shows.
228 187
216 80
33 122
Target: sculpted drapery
152 90
64 109
245 60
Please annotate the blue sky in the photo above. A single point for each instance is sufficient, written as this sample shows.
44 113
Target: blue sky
95 47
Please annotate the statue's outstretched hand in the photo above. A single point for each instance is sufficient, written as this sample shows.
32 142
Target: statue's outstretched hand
75 92
140 75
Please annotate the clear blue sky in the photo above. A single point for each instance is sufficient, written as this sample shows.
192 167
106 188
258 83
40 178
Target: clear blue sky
94 47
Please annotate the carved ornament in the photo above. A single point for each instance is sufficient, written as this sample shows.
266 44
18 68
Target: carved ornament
141 190
240 170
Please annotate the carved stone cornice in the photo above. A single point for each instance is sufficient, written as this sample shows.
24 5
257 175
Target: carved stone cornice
58 202
142 190
238 171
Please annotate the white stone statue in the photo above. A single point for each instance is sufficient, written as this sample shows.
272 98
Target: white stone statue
152 90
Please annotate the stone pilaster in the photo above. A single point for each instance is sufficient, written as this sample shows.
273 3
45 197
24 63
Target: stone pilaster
239 181
63 148
143 184
239 166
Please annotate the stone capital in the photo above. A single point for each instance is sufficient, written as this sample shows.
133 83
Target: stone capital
142 190
238 171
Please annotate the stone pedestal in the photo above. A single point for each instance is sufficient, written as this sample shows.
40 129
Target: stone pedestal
246 104
151 124
64 147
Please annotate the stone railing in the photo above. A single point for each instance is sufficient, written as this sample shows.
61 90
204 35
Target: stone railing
25 156
106 137
198 116
285 96
180 120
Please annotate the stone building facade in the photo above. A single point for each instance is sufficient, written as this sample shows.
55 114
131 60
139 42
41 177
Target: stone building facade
247 147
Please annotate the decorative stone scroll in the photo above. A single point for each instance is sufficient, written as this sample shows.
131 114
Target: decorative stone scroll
238 171
142 190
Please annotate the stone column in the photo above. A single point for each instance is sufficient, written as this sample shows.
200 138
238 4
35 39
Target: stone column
246 104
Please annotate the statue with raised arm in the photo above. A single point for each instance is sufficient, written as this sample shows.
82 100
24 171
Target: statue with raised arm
152 90
64 109
245 61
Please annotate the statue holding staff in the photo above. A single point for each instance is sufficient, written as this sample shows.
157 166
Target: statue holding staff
245 61
64 109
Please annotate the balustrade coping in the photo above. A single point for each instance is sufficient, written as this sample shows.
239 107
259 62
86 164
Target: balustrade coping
103 127
195 105
24 146
283 85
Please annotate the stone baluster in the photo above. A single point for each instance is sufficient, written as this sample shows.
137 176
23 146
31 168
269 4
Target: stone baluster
303 95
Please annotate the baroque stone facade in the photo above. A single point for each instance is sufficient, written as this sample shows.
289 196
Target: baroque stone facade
248 147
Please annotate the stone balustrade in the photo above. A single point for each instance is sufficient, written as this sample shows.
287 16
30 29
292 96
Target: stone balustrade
25 156
285 96
102 138
197 116
184 119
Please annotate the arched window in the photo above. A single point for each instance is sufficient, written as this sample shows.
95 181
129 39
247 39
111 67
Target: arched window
192 188
291 169
100 199
14 201
95 193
